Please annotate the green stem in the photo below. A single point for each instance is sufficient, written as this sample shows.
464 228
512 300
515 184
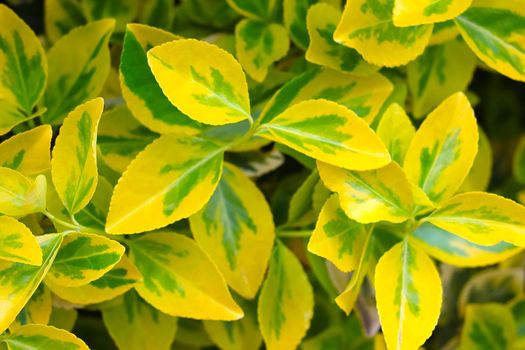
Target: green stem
74 226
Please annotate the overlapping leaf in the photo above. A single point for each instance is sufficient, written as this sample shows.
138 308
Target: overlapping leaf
37 309
294 15
19 195
412 12
396 131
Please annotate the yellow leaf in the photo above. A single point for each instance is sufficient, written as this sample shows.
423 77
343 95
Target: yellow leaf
409 294
286 302
329 132
443 149
234 226
159 187
17 243
19 281
368 27
27 152
20 196
478 178
414 12
202 80
180 279
371 196
396 131
74 161
482 218
37 309
37 336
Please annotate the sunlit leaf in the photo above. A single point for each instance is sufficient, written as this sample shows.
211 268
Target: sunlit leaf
37 337
396 131
412 12
17 243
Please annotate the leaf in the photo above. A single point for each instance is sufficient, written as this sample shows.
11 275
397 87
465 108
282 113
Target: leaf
121 137
367 26
234 226
321 21
371 196
63 318
482 218
258 10
17 243
518 163
258 45
454 250
216 14
256 163
20 196
294 13
363 95
27 152
180 279
396 131
238 335
409 294
501 47
37 309
412 12
210 88
37 337
329 132
123 11
443 149
77 75
23 72
488 326
286 303
135 325
60 16
159 187
439 72
157 13
337 238
443 32
11 116
83 258
478 178
121 278
141 91
19 281
300 210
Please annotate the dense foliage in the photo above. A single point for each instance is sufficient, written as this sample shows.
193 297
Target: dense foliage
244 174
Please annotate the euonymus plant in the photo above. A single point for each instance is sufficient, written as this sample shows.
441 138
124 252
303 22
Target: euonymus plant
255 165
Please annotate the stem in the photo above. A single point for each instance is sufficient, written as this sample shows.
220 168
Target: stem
74 226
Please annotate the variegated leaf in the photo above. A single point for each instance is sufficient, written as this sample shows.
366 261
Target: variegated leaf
20 196
37 337
414 12
294 13
37 309
17 243
60 16
396 131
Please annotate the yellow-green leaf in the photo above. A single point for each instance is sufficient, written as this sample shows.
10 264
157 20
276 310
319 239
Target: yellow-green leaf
438 73
329 132
259 10
521 197
478 178
79 65
294 15
443 149
121 278
367 26
180 279
20 196
286 302
38 337
443 32
63 318
488 326
396 131
300 210
74 162
482 218
210 87
414 12
409 294
158 13
135 325
337 238
363 95
159 187
121 137
457 251
518 162
19 281
23 65
371 196
37 309
123 11
321 21
258 45
27 152
60 16
11 116
495 31
17 243
83 258
141 91
234 226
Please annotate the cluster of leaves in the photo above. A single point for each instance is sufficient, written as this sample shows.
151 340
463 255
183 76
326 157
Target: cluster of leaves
149 204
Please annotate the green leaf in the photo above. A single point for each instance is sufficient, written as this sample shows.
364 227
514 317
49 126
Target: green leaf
23 72
234 226
20 196
135 325
19 281
286 303
83 258
37 337
79 65
141 91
